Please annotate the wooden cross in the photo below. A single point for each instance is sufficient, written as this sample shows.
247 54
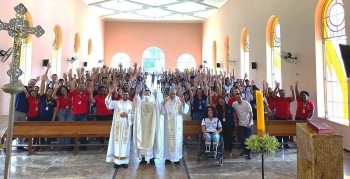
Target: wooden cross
19 29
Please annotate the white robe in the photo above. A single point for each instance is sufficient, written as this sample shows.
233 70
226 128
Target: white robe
173 128
120 136
147 141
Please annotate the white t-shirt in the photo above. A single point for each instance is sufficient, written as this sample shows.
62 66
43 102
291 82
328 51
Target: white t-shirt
211 125
243 112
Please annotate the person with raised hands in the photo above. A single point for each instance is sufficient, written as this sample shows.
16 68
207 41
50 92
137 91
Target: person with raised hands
305 107
283 108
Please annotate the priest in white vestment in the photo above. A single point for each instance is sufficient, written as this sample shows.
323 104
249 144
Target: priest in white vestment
146 126
119 138
173 108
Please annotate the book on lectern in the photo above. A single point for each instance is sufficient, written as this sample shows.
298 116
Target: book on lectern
319 127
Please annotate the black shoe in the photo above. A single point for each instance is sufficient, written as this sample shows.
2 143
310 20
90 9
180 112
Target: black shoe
126 165
167 162
143 161
21 149
250 156
115 166
177 163
243 154
152 161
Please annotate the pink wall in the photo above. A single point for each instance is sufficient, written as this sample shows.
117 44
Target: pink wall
133 39
73 17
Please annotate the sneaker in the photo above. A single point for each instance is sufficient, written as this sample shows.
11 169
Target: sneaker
21 149
167 162
250 156
243 154
143 161
152 161
177 163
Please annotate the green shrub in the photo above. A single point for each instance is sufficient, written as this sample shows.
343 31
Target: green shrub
267 144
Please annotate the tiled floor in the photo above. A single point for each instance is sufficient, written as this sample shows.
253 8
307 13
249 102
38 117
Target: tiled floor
91 164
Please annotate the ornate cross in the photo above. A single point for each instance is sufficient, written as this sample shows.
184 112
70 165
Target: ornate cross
19 29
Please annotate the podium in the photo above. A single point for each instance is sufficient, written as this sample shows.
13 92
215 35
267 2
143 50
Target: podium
319 155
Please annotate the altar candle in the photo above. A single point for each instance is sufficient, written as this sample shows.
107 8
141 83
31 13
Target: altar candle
260 113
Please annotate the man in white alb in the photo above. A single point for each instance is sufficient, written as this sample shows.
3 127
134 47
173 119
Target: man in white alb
146 126
119 139
173 108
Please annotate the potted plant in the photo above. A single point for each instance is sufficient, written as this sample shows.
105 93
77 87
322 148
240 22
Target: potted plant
265 145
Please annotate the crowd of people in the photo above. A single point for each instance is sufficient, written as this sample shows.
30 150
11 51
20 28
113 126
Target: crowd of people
218 99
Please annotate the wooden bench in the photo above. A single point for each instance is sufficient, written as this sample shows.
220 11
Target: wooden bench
60 130
102 129
273 128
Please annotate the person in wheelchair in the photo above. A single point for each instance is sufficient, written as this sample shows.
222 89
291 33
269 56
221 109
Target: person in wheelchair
211 128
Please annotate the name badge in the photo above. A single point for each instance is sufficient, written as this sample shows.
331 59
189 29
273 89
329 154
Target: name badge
47 108
223 119
303 110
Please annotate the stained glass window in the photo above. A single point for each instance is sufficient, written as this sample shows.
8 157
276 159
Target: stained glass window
276 51
336 86
246 54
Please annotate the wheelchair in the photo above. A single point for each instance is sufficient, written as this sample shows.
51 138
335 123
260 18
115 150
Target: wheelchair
202 150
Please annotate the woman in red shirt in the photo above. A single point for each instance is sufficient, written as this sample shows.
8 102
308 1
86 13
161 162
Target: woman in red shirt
34 107
305 107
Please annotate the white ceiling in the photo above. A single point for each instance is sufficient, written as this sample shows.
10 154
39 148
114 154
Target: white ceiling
155 10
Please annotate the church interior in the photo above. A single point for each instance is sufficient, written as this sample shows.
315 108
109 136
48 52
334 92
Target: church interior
273 40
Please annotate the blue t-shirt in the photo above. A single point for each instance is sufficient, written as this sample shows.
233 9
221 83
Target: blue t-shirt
21 102
199 105
228 114
47 106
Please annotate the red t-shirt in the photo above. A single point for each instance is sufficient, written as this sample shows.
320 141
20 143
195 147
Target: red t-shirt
80 102
303 111
131 98
271 103
34 106
116 98
283 107
63 103
101 108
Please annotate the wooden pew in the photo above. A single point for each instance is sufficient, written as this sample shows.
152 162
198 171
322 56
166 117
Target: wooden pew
60 130
273 128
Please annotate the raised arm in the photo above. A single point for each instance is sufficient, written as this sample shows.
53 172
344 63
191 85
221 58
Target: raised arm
274 93
293 93
91 98
297 93
42 85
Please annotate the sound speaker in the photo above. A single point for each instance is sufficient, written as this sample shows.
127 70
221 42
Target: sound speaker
218 65
85 64
345 53
45 62
254 65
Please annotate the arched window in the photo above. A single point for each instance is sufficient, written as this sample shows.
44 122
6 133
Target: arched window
276 51
186 61
214 56
90 65
334 77
153 60
244 52
227 53
121 58
26 53
76 51
56 51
